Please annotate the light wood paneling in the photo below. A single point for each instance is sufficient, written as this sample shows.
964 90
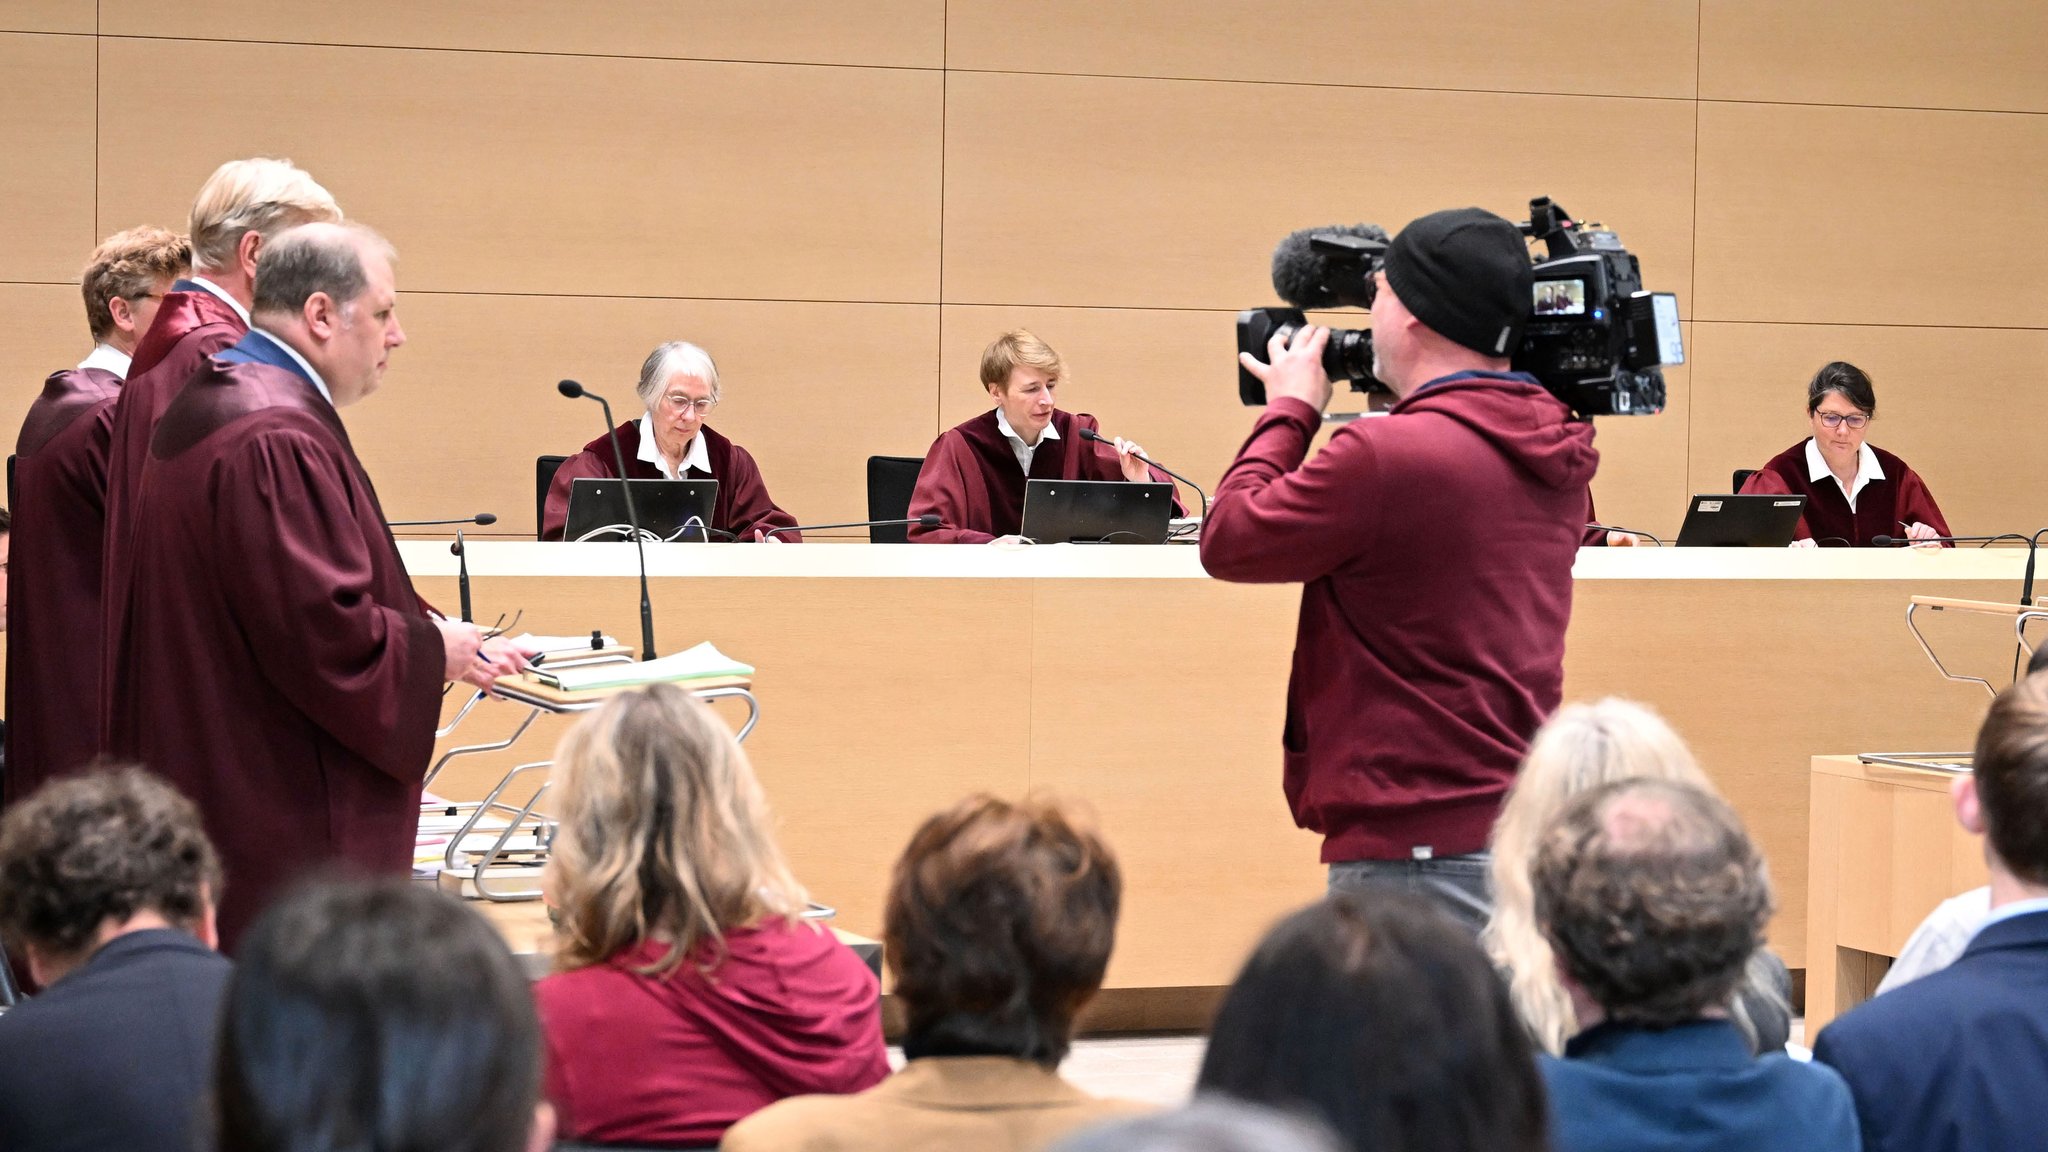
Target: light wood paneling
1862 215
1647 49
1972 54
45 331
1946 402
46 136
900 33
1151 193
567 175
811 390
74 16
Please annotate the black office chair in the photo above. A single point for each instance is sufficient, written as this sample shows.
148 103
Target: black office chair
1742 476
891 479
544 470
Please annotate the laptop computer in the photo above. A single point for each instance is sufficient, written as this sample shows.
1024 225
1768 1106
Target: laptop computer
1741 521
665 506
1096 511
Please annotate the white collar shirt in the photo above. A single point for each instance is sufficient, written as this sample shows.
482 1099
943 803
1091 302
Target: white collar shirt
1867 470
1023 451
107 358
695 456
217 290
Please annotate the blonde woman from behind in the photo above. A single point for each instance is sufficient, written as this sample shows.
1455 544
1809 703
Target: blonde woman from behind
1579 749
688 992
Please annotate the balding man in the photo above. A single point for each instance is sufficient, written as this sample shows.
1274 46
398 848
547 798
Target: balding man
278 667
239 208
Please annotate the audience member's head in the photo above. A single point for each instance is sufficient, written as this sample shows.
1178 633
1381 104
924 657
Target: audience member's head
1653 898
1380 1016
664 834
1582 747
999 925
377 1014
331 292
2005 797
243 206
92 857
1208 1124
126 279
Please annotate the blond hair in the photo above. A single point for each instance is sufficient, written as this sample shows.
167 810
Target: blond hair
1582 747
1015 348
126 266
259 195
664 834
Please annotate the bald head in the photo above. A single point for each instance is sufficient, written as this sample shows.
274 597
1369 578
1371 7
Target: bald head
330 291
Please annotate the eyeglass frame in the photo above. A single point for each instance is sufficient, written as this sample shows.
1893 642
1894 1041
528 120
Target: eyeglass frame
1857 421
677 401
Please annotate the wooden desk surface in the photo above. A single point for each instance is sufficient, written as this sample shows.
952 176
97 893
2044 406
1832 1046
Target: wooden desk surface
531 936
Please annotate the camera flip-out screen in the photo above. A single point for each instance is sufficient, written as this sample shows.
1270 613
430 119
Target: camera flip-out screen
1561 298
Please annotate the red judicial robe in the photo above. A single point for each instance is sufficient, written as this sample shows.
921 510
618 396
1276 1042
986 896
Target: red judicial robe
53 593
743 504
190 325
278 668
1883 508
971 478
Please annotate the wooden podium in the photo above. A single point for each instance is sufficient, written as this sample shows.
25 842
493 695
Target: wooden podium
1884 849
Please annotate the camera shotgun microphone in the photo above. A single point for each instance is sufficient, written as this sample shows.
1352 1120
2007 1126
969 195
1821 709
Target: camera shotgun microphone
1092 434
1626 532
573 390
928 520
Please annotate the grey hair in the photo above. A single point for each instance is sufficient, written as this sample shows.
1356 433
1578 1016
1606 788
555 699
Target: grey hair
1208 1124
677 357
315 258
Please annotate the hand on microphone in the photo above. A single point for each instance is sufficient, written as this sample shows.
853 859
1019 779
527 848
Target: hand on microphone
1922 535
1622 539
1131 459
1808 542
1294 369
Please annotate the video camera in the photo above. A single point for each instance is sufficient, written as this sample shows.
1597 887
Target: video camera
1594 338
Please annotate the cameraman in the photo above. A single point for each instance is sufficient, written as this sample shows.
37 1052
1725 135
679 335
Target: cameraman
1436 544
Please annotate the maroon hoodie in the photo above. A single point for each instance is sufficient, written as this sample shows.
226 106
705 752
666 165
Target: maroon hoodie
1436 544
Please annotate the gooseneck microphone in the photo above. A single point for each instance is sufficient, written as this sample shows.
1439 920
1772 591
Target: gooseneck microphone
928 520
1626 532
1908 541
573 390
462 575
1092 434
479 518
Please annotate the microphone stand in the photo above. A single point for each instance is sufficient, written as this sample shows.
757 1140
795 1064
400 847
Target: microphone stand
462 576
572 390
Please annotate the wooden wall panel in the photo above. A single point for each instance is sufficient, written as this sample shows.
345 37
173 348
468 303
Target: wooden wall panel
1871 215
73 16
552 174
1647 49
1948 403
811 390
46 135
1171 194
899 33
1982 54
45 331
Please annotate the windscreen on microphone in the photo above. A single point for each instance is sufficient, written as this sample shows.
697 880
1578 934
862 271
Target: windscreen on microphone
570 388
930 520
486 518
1305 278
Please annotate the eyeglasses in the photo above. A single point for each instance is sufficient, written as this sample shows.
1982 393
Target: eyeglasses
1855 421
682 403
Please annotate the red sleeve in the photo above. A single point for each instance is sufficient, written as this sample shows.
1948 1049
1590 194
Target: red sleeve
948 485
1592 537
1276 520
1916 504
751 507
1764 482
582 466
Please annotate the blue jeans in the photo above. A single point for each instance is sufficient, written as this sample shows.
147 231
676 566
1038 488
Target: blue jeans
1460 886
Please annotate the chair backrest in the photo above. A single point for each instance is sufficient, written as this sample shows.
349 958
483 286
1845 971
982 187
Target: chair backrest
544 470
891 479
1742 476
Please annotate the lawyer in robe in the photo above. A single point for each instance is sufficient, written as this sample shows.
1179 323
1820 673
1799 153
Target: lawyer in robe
60 478
974 475
679 388
239 208
278 668
1854 492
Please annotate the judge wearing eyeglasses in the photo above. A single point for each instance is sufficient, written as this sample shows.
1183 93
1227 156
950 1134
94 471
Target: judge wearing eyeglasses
1854 493
679 386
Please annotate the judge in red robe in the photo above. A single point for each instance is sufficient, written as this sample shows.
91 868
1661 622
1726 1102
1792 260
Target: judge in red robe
278 667
1854 492
53 648
974 475
679 388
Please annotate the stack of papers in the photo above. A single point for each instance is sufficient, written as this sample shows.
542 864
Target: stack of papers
700 663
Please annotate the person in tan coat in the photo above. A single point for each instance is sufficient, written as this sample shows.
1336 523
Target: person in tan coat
998 928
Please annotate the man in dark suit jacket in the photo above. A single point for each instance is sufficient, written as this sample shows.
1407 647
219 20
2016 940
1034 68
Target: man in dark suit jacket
1958 1061
108 879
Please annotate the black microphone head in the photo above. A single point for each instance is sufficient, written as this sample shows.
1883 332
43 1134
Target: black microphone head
486 518
570 388
1883 541
1092 434
930 520
1308 278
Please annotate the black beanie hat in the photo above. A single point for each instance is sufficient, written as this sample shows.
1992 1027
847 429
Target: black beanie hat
1465 273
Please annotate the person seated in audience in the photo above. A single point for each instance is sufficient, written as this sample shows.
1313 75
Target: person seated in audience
974 475
376 1014
1957 1061
1378 1014
679 388
1854 493
1654 899
688 992
1581 748
997 929
106 889
1207 1124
